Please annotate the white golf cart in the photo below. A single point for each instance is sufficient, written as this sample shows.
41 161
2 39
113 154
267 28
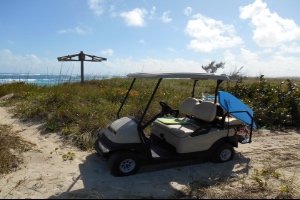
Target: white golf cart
208 129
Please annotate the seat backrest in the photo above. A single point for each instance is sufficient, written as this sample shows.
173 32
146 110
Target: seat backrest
205 111
188 105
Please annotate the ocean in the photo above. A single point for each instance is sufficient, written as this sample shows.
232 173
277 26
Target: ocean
44 79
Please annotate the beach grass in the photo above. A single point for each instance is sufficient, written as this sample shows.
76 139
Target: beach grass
11 148
80 110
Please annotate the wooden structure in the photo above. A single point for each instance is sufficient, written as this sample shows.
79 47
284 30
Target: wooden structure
81 57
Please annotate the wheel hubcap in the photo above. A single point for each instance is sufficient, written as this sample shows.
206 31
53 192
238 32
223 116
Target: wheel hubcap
127 165
225 154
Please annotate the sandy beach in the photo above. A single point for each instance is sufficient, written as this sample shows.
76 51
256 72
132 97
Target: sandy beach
44 175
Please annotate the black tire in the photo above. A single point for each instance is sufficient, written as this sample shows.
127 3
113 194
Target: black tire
124 163
223 153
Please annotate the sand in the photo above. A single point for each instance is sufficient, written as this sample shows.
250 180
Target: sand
44 175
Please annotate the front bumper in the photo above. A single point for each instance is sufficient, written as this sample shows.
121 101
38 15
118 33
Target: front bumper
101 149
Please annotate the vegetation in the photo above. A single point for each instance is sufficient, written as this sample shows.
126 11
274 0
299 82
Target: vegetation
261 184
213 67
11 147
276 102
79 111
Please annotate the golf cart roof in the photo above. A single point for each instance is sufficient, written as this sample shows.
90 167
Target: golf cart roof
191 75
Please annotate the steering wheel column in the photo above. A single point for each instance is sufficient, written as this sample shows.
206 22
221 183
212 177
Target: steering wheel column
166 109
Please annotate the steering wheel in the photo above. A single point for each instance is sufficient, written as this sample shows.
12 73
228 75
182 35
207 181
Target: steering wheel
166 109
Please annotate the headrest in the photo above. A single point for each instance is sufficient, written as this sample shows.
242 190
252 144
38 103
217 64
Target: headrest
206 111
187 106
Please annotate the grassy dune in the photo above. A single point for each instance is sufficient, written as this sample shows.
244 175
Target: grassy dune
79 111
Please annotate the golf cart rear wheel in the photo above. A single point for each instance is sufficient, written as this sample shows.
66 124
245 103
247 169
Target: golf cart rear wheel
223 153
124 163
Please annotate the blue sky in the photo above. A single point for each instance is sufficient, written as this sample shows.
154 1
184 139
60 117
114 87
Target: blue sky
262 36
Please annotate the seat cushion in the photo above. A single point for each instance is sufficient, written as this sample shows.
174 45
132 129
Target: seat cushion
171 120
178 130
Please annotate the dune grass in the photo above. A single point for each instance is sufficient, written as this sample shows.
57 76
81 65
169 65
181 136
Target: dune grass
11 148
79 111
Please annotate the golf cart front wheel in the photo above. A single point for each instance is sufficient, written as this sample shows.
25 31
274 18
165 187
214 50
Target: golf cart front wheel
124 163
223 153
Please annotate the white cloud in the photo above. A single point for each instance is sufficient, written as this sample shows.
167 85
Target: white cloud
293 48
96 6
29 63
210 34
165 17
272 65
270 30
187 11
255 64
130 65
247 54
134 17
10 58
107 52
266 50
78 29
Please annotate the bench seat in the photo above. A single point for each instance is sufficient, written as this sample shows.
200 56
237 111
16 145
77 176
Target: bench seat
178 130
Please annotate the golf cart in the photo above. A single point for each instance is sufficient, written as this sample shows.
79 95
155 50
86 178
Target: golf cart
209 129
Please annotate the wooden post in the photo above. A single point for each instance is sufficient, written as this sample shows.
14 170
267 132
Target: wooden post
82 58
82 73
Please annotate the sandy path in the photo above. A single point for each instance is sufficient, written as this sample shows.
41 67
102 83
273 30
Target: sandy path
44 175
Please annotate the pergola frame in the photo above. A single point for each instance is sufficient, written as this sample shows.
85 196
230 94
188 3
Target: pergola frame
81 57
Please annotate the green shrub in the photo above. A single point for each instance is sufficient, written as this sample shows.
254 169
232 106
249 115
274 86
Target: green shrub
276 106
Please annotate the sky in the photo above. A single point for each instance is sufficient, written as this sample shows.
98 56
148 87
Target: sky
260 37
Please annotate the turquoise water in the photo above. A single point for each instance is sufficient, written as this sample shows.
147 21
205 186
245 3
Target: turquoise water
44 79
